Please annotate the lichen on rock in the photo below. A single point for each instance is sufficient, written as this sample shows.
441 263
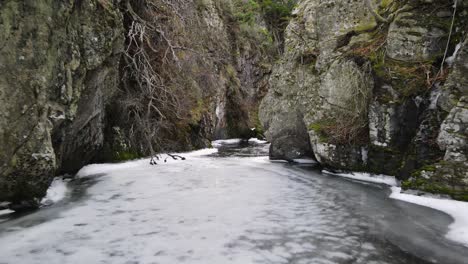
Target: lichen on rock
58 59
392 55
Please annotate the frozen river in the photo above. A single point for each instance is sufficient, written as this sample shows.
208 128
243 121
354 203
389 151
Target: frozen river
233 206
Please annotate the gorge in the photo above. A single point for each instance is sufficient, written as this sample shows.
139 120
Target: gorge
371 86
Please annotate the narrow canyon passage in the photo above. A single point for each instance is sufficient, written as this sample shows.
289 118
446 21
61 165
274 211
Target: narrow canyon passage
227 206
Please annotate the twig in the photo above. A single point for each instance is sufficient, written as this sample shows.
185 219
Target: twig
449 37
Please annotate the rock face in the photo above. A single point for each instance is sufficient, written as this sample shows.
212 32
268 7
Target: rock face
222 70
449 175
59 66
62 67
361 85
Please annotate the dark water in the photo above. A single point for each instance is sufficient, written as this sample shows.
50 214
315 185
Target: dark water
229 207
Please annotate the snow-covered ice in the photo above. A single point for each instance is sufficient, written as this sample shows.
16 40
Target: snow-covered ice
366 177
305 161
458 230
218 143
57 191
232 141
97 169
5 211
212 209
257 141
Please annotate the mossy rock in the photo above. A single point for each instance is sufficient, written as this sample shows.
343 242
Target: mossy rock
125 156
445 178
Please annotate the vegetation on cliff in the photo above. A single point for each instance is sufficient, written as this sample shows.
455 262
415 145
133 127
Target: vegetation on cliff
374 82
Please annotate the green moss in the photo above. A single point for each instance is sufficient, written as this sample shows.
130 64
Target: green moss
247 11
259 130
320 128
201 5
386 3
231 72
197 112
125 155
14 161
405 185
431 168
441 178
461 197
366 27
316 127
434 187
388 150
407 78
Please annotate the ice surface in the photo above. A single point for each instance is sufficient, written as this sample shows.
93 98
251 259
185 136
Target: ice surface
366 177
458 231
215 210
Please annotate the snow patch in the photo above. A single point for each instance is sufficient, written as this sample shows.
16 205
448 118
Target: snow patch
5 212
364 155
366 177
257 141
380 144
452 58
278 161
199 153
231 141
435 95
57 191
305 161
458 230
218 143
96 169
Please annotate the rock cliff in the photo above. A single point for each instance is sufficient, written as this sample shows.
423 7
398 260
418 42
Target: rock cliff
375 86
59 64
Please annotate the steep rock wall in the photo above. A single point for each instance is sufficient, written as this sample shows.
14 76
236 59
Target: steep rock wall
59 65
213 67
361 86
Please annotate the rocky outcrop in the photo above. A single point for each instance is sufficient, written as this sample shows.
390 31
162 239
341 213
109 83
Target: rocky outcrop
365 80
449 175
59 66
